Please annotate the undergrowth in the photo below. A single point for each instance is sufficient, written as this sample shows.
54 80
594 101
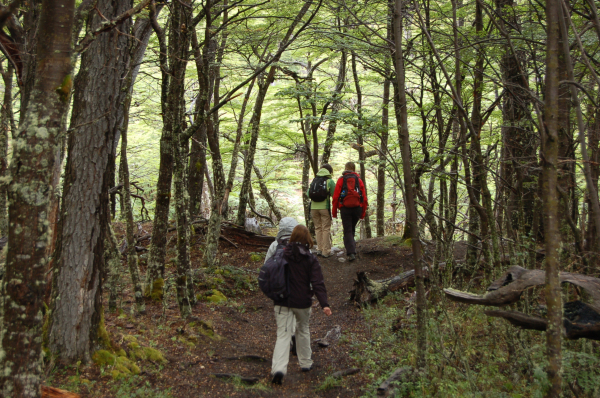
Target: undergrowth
468 354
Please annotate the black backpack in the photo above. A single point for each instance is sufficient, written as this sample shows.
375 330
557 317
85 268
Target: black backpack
318 191
273 278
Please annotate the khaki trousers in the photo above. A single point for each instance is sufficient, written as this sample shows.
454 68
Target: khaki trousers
322 221
285 317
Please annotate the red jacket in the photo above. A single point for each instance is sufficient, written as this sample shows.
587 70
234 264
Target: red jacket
338 189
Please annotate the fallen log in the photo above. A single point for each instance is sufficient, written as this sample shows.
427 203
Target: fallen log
341 373
368 291
51 392
580 320
229 376
508 289
398 374
232 234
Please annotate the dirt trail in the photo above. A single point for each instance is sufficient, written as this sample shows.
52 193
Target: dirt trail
247 327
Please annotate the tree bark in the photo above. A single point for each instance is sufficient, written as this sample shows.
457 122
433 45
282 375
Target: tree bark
5 128
264 191
172 63
550 147
30 190
411 208
360 140
85 214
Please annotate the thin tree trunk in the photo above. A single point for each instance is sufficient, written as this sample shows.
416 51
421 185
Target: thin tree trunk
113 270
550 149
411 208
30 190
264 191
236 148
5 127
264 81
132 258
361 147
335 107
383 149
173 60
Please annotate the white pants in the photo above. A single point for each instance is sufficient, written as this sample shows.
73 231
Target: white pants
285 317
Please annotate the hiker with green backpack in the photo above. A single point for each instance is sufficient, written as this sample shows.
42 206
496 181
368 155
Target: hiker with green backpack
320 191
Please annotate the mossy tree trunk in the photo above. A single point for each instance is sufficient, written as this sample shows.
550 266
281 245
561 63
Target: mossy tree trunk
85 214
264 191
5 128
173 59
30 191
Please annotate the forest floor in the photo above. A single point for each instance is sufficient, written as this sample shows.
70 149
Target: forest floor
220 336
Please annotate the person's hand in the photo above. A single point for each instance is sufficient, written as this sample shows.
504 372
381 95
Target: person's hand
327 311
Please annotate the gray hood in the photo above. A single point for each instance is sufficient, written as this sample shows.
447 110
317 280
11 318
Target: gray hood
286 226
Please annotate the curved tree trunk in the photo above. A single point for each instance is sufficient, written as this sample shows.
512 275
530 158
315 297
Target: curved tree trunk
24 283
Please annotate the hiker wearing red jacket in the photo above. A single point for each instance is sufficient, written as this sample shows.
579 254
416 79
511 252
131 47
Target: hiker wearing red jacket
350 197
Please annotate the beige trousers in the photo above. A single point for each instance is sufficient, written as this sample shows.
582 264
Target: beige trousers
322 221
285 317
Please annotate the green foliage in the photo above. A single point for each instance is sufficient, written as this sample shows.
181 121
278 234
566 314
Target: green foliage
469 354
329 383
131 388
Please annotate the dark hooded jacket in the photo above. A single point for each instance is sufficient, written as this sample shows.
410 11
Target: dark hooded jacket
305 278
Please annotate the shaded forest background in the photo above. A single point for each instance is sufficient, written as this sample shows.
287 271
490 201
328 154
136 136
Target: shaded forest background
471 121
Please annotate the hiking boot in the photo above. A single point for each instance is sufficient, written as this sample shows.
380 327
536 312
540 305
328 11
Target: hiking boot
307 369
293 346
277 378
318 253
326 255
351 257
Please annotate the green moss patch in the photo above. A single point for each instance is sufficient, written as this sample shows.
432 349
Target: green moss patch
121 366
156 291
215 296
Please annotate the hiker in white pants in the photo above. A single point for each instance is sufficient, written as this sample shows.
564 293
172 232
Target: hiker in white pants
305 279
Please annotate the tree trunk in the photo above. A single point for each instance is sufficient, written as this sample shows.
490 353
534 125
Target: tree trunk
551 142
236 149
132 258
30 190
85 214
335 107
263 86
411 208
173 60
383 151
360 141
5 127
264 191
